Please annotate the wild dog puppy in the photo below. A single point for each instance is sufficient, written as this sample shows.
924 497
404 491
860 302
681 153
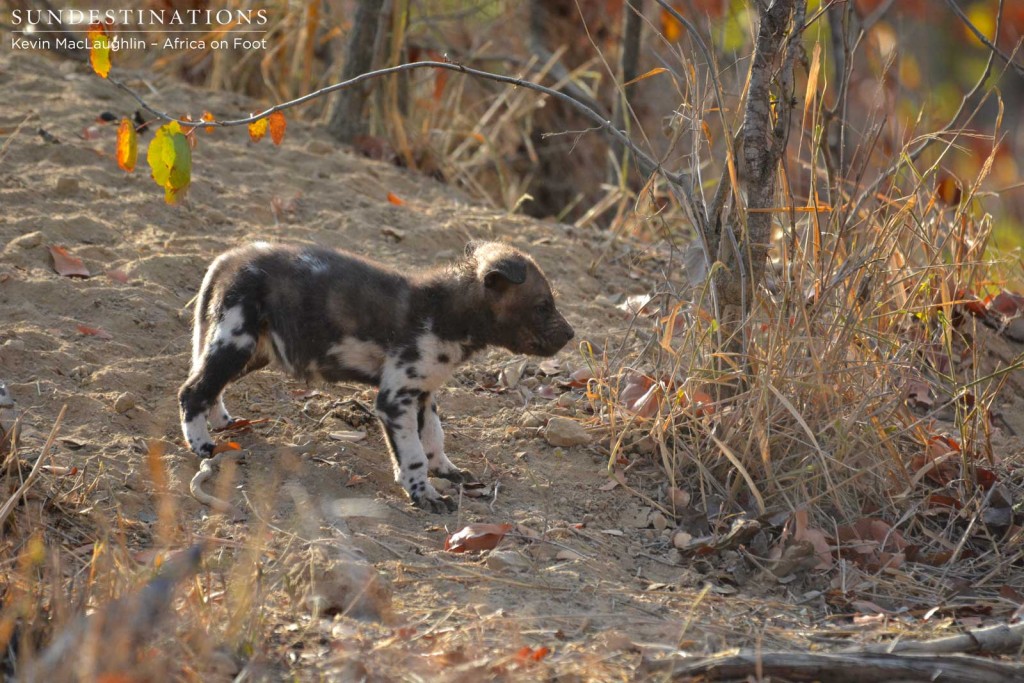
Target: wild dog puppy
328 315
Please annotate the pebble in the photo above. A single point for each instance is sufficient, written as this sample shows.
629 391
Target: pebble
562 431
659 522
28 241
507 560
67 186
532 420
320 147
124 403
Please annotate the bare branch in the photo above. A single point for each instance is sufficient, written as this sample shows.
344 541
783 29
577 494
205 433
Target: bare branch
647 164
981 36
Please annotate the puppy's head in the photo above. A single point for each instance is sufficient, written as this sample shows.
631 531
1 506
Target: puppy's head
519 298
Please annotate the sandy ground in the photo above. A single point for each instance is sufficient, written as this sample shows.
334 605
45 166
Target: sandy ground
581 585
603 590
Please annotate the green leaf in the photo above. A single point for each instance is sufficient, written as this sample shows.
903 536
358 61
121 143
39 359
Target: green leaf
170 159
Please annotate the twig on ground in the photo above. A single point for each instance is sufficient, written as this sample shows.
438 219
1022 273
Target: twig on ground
206 468
862 667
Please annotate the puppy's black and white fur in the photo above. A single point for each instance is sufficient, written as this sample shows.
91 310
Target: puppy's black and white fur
327 315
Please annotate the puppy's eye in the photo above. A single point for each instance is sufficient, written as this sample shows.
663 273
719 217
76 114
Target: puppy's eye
544 308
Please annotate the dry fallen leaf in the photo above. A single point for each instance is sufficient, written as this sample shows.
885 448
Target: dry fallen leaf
242 423
395 199
476 537
226 446
67 265
97 332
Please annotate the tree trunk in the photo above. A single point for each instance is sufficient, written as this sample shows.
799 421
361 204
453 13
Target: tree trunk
745 239
348 115
629 60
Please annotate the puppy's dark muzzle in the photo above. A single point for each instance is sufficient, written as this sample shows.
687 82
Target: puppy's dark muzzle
555 340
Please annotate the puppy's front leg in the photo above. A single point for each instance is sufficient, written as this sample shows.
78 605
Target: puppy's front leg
432 437
397 408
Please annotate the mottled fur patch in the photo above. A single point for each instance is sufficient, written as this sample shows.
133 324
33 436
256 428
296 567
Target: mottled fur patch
327 315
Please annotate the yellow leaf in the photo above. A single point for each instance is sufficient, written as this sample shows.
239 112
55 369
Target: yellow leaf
170 159
99 49
207 116
277 126
127 145
653 72
257 129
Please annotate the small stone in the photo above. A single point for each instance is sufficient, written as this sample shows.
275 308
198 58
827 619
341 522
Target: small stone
124 403
67 186
566 400
507 560
27 241
567 555
532 420
681 540
14 345
659 522
562 431
320 147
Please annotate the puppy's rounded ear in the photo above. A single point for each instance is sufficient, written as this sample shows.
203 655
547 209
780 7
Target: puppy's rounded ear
505 272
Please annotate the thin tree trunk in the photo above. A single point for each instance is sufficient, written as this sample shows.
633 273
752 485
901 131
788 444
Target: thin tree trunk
348 115
629 60
744 248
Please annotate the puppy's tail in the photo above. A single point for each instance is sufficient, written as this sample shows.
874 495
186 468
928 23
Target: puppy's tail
204 304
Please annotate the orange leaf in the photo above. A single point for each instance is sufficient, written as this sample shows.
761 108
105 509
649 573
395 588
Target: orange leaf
127 145
670 28
476 537
653 72
97 332
395 199
67 265
277 126
257 129
207 116
226 446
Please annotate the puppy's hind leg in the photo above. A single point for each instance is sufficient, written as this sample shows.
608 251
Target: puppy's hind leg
432 437
229 354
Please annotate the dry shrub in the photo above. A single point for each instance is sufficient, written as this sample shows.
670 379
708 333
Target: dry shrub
867 390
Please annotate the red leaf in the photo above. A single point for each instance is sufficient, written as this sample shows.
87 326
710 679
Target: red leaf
67 265
395 199
579 379
1007 303
97 332
476 537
